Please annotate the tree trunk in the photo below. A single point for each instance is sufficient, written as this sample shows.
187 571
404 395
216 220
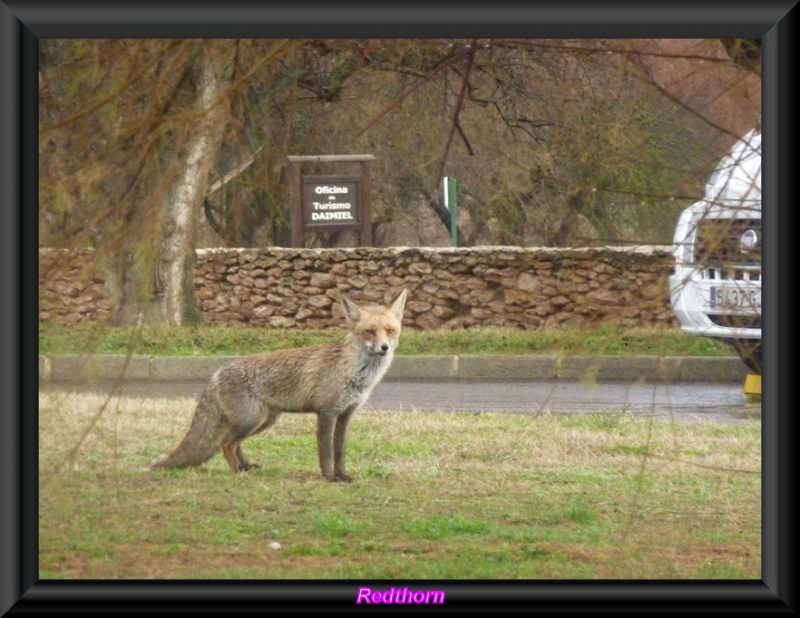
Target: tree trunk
182 209
171 283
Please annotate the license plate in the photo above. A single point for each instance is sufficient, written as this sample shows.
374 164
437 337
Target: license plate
735 298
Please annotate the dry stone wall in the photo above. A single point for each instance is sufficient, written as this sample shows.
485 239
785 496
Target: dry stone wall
448 288
68 291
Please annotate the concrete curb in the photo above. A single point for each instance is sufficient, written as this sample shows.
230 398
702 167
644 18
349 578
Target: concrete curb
99 367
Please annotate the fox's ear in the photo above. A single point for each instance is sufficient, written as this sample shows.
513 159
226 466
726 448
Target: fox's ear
351 311
399 303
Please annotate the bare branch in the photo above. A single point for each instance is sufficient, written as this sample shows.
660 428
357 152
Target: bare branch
459 105
237 171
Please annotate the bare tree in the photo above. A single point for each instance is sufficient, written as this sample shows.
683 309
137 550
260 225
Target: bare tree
131 131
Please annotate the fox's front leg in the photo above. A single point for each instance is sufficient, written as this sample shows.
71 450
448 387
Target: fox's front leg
326 422
339 440
331 433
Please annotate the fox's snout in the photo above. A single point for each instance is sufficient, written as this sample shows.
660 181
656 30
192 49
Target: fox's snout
383 348
380 348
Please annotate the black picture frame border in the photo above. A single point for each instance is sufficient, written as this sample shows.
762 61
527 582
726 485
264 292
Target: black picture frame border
23 23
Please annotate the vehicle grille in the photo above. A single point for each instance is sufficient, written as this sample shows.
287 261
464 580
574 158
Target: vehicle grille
736 321
718 252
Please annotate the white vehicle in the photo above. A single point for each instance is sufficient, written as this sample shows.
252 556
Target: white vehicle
716 284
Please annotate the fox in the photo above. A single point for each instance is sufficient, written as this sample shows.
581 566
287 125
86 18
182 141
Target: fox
247 395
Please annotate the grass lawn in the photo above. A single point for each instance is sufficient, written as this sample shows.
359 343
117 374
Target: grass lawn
189 341
436 495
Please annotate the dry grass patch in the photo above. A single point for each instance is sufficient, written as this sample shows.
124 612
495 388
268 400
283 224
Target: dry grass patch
437 495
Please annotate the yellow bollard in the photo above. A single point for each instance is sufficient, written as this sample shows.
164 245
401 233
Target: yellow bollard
752 385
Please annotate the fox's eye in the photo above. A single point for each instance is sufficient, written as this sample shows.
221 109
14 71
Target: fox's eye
370 331
390 331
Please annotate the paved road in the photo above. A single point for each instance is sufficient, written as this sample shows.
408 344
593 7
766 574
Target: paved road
690 401
679 401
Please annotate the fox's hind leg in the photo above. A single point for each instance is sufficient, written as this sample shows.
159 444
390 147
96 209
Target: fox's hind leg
232 443
235 457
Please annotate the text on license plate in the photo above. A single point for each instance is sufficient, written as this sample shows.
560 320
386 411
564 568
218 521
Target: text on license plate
735 298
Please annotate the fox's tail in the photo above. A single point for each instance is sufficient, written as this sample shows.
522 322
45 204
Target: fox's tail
200 444
182 456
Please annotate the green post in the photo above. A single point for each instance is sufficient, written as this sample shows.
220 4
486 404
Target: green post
449 191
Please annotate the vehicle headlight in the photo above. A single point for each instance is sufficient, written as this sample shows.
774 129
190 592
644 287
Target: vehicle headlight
748 241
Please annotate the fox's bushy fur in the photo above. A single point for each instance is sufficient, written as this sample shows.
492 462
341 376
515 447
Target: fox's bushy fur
247 395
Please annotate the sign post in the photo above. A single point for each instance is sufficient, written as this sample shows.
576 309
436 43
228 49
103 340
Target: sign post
330 202
449 192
